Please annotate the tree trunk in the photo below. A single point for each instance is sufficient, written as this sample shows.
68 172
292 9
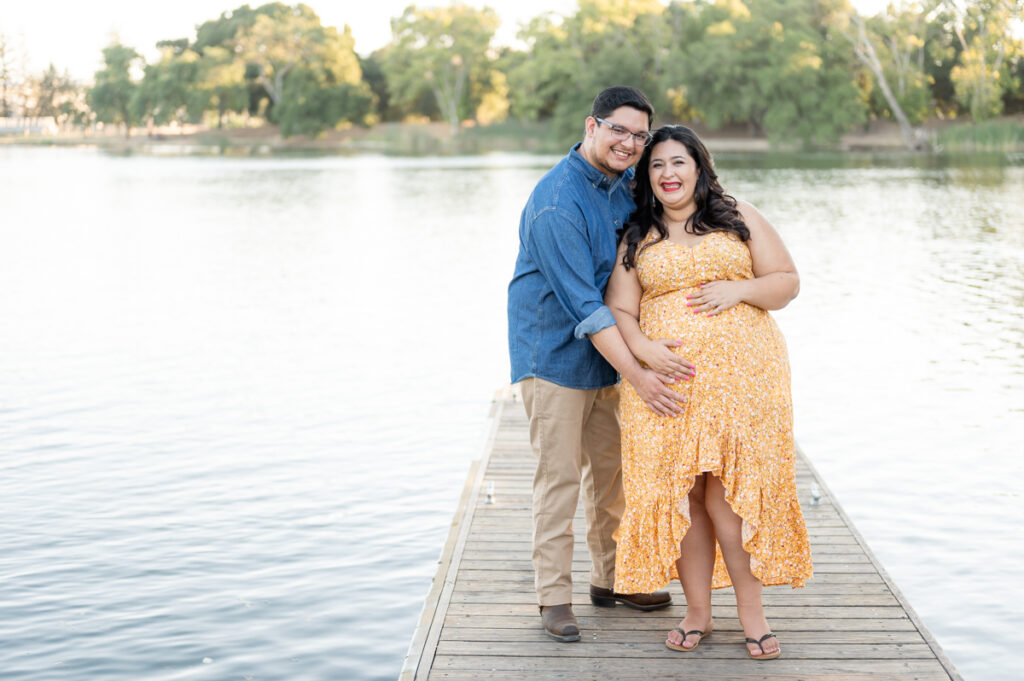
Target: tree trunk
276 88
448 98
460 85
127 117
865 52
755 124
449 109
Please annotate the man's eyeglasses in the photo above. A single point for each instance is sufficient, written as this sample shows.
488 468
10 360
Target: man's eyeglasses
621 134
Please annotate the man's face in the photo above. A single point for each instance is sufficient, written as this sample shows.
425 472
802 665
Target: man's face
602 146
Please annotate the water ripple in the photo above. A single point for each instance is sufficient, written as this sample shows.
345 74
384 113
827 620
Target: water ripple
241 396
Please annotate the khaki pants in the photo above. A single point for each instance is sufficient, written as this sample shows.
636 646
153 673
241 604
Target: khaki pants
575 437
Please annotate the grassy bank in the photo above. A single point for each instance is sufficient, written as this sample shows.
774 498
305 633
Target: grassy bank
436 139
1005 135
400 139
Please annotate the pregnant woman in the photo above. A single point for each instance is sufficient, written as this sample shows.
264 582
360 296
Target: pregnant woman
710 494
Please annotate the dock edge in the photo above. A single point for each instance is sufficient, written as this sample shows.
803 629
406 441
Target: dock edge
428 630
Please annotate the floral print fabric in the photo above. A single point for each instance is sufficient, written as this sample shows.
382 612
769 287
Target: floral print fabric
737 425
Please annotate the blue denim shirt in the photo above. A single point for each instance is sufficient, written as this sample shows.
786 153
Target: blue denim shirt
567 246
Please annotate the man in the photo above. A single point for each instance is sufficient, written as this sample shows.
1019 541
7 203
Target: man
566 352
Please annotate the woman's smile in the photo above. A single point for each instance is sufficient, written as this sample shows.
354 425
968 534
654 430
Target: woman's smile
673 174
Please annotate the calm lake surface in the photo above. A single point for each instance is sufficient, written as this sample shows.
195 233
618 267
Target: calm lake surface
239 398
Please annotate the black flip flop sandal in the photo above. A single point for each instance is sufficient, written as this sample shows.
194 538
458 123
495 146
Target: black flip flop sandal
680 647
763 655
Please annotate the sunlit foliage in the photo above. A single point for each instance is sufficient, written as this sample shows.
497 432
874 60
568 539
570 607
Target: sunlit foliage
799 72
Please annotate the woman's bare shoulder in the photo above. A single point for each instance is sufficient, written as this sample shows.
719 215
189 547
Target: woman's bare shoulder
755 221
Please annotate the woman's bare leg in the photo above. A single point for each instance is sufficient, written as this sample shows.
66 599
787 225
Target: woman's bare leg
728 528
695 567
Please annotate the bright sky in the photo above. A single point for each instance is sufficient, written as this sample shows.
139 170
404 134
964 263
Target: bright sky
71 34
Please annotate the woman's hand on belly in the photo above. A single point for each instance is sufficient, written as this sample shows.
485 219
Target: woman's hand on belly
718 296
669 366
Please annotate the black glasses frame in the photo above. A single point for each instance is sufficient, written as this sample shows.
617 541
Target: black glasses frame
622 134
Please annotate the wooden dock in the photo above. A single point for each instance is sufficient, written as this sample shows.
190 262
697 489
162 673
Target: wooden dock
480 619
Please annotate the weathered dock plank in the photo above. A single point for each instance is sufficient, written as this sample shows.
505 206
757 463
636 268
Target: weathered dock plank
480 621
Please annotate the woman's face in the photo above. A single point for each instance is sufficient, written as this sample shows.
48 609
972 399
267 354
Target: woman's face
673 174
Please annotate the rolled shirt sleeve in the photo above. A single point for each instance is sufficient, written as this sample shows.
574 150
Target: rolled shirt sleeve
560 246
599 319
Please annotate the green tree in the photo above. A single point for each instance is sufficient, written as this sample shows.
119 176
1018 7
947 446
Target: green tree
6 76
373 76
572 58
686 28
13 76
984 32
58 96
168 91
443 51
1013 98
276 45
49 91
902 33
322 59
312 104
112 96
943 54
221 82
892 48
223 32
776 65
541 74
491 98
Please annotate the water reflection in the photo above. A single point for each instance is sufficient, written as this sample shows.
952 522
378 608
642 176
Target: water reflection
985 163
241 395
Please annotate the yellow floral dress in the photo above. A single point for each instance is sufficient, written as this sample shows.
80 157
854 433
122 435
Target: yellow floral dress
737 425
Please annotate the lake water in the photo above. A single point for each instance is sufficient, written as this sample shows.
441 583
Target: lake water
239 397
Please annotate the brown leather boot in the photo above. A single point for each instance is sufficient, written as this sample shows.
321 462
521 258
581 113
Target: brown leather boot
606 598
559 622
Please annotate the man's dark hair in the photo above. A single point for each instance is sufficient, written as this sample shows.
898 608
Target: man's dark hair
612 98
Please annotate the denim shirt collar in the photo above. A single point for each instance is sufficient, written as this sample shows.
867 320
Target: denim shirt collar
594 176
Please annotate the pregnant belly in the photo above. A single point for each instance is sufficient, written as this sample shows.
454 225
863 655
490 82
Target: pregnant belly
669 317
739 355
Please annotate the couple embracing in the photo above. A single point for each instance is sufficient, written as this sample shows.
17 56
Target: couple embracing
659 277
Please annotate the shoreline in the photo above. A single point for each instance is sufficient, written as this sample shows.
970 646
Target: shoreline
421 139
